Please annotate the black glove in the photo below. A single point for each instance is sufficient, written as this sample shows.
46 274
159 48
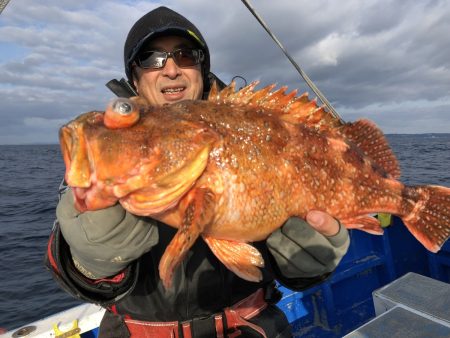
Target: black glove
103 242
302 252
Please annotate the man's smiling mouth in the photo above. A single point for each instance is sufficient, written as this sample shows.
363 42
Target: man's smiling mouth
173 90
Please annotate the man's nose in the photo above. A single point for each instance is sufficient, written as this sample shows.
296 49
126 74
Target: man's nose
171 69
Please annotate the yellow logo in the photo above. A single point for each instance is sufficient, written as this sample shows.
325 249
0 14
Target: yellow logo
196 37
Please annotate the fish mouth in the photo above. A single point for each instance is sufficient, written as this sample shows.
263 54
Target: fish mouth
78 173
74 150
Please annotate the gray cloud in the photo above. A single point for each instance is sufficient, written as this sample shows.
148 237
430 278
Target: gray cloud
387 60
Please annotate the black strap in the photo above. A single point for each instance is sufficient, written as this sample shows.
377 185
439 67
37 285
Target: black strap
203 327
121 88
272 294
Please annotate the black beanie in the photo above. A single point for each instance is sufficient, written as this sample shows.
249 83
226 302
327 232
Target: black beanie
162 21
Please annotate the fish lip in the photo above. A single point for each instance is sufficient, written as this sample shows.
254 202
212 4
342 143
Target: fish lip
64 132
66 143
76 155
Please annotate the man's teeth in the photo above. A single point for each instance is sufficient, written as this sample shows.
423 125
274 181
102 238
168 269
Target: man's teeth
173 90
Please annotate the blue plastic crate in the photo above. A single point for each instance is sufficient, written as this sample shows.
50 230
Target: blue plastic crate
407 253
90 334
344 302
439 263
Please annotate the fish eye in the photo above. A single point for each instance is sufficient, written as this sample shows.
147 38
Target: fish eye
121 113
122 106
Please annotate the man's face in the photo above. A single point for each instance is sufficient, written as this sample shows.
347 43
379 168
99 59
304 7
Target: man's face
171 83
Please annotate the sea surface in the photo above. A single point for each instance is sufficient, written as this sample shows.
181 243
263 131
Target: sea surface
30 176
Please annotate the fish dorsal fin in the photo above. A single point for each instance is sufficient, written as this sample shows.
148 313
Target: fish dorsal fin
300 110
370 139
290 108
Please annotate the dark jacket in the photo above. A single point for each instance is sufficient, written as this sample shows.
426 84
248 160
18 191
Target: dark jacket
201 287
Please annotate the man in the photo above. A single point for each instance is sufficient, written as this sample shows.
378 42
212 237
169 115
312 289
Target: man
110 256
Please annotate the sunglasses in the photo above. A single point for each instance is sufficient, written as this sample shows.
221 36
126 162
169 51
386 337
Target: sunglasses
183 57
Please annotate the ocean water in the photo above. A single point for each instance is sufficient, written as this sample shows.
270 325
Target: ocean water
30 176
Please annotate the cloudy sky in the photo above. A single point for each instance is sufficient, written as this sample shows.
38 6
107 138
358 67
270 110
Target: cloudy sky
388 60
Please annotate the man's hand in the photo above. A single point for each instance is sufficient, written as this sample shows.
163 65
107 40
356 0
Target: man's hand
104 241
322 222
303 250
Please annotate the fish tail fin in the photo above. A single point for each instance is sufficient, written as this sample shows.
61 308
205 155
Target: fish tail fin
427 214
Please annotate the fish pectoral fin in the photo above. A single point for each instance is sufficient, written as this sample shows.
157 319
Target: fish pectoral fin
241 258
198 211
365 223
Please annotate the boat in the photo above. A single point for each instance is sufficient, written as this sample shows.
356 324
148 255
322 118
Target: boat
337 307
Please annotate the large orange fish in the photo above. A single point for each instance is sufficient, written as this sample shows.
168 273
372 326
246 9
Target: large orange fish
233 168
